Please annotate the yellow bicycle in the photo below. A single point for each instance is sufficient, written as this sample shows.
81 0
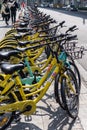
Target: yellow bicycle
16 99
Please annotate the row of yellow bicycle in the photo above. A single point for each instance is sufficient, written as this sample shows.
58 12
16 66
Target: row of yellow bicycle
32 56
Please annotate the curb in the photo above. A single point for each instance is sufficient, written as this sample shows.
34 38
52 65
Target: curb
82 71
83 96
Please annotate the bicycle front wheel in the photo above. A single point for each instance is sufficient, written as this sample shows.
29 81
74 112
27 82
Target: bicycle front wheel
70 93
57 91
74 68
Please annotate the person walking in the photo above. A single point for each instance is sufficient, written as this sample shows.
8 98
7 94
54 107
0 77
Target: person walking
5 11
23 4
13 9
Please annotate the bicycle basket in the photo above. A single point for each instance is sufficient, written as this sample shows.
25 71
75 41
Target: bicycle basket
76 53
69 46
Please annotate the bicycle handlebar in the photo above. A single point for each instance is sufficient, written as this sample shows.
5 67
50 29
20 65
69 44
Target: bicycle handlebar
55 27
71 29
43 24
40 21
41 45
46 38
61 24
72 38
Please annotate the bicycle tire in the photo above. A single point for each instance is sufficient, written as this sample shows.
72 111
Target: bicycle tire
77 74
57 92
47 51
6 118
70 99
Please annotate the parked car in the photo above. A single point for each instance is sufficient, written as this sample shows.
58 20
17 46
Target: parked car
70 8
41 5
51 5
44 5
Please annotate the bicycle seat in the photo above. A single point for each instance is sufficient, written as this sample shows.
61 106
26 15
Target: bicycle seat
18 36
11 68
6 55
23 29
26 20
24 43
23 24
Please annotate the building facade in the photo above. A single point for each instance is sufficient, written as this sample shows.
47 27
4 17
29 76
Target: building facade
78 3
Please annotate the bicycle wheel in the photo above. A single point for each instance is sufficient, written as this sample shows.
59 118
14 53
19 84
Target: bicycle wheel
6 118
47 51
70 93
74 68
57 91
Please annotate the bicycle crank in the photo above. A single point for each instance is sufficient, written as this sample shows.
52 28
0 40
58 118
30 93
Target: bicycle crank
26 107
29 108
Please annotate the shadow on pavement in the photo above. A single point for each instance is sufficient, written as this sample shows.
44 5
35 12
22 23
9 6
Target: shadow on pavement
59 121
24 126
6 26
57 118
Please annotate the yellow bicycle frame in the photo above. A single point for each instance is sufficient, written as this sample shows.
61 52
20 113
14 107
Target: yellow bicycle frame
36 90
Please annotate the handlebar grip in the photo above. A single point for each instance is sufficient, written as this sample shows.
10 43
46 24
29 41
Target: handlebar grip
71 38
71 28
61 24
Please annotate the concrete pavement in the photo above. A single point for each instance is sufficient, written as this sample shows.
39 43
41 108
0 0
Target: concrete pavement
49 115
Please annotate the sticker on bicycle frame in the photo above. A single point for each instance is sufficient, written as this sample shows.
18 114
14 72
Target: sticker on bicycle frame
52 77
49 68
54 74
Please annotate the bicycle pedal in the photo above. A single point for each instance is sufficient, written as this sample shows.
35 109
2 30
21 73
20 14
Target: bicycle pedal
17 119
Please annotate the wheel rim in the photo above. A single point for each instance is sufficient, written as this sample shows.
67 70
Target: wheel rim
71 98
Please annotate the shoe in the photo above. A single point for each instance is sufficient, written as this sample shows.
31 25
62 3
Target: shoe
7 23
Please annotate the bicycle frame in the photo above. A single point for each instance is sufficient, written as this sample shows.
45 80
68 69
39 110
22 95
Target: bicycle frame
35 90
31 78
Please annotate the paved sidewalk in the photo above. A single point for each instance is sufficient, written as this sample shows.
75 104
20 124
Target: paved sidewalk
49 115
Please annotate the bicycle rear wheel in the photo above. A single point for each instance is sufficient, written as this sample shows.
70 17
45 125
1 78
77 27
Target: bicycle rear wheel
70 94
6 118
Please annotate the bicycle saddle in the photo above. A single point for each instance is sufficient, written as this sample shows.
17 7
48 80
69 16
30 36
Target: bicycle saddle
11 68
23 29
6 55
24 43
20 35
23 24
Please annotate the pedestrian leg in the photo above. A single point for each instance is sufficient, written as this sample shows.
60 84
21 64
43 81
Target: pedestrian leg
14 17
6 20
